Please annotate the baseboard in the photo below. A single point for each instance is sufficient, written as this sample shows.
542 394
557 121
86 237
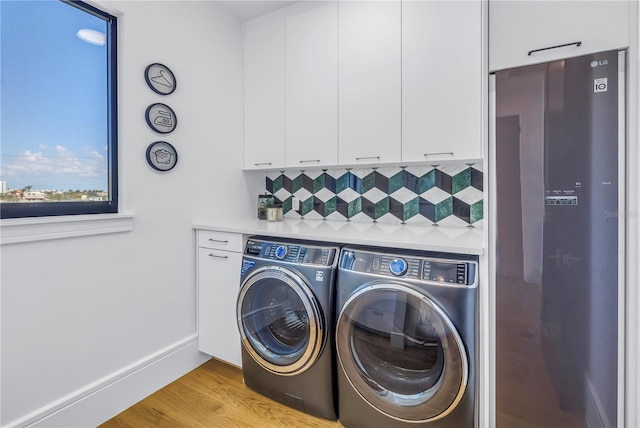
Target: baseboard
595 415
105 398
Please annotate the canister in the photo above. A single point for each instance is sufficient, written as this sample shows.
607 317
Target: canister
274 213
264 201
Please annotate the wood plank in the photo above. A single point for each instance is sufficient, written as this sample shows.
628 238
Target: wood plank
213 395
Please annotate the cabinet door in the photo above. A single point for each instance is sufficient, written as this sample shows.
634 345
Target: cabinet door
264 92
218 285
369 81
312 84
518 30
441 80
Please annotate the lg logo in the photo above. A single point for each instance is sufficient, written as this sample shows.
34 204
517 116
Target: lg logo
594 64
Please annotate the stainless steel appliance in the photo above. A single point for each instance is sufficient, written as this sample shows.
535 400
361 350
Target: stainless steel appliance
285 313
559 204
406 338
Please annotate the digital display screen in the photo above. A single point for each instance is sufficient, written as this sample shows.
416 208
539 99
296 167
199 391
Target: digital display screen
441 272
320 256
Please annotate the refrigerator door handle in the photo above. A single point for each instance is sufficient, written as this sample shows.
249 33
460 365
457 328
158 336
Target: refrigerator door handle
578 44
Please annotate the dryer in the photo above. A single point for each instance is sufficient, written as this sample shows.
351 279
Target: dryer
406 338
285 317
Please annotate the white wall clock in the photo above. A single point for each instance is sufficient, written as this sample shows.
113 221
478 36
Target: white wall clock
160 79
161 118
161 156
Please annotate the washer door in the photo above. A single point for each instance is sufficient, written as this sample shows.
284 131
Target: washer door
280 321
401 352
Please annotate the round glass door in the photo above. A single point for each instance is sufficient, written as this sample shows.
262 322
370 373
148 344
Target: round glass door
401 353
279 320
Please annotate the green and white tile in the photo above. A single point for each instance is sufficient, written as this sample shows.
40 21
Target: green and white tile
452 221
282 194
302 194
448 194
435 195
453 169
469 195
461 181
374 195
348 195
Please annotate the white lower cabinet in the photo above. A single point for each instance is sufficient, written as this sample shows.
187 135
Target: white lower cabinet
218 285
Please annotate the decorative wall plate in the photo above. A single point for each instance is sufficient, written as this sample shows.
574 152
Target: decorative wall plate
161 118
161 156
160 79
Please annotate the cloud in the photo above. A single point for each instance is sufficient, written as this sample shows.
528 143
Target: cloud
58 166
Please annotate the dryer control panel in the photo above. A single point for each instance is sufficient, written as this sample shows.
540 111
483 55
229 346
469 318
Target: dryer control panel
432 269
292 253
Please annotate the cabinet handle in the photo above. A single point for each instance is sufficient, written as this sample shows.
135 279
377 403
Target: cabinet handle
217 256
426 155
368 157
310 161
222 241
578 44
263 163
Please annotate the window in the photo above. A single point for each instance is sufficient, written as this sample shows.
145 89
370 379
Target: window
58 109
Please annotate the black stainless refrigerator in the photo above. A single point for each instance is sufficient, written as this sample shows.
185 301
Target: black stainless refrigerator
559 197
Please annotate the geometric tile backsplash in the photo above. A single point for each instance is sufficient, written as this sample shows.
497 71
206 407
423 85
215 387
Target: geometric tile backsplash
446 194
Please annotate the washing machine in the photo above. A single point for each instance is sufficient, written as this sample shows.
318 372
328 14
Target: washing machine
285 317
406 338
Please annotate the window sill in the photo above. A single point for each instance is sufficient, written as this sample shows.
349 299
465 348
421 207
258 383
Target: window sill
20 230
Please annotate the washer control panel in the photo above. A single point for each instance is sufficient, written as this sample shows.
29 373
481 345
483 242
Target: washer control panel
433 269
292 253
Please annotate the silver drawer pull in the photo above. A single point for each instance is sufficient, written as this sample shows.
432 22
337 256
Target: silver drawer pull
310 161
263 163
222 241
217 256
368 157
426 155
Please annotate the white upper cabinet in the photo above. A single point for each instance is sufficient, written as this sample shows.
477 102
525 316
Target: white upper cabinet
312 84
264 92
369 81
441 80
529 32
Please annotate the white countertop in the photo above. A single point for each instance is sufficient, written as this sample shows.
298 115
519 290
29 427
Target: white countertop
461 240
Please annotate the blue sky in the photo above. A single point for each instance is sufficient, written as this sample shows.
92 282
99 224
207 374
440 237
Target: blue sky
53 106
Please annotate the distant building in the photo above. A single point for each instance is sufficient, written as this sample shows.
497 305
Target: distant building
34 196
3 187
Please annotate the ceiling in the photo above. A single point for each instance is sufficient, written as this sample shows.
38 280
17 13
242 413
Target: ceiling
247 9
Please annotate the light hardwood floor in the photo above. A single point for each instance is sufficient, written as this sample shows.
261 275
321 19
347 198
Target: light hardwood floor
212 396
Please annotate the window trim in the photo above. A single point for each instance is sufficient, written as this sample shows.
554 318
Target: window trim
14 210
23 230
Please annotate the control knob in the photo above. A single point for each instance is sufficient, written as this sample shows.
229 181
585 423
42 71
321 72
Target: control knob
398 266
281 252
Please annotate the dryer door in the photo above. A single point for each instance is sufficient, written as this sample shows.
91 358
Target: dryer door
401 352
280 321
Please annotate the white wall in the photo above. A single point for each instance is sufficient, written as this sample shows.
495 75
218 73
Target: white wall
79 313
632 298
